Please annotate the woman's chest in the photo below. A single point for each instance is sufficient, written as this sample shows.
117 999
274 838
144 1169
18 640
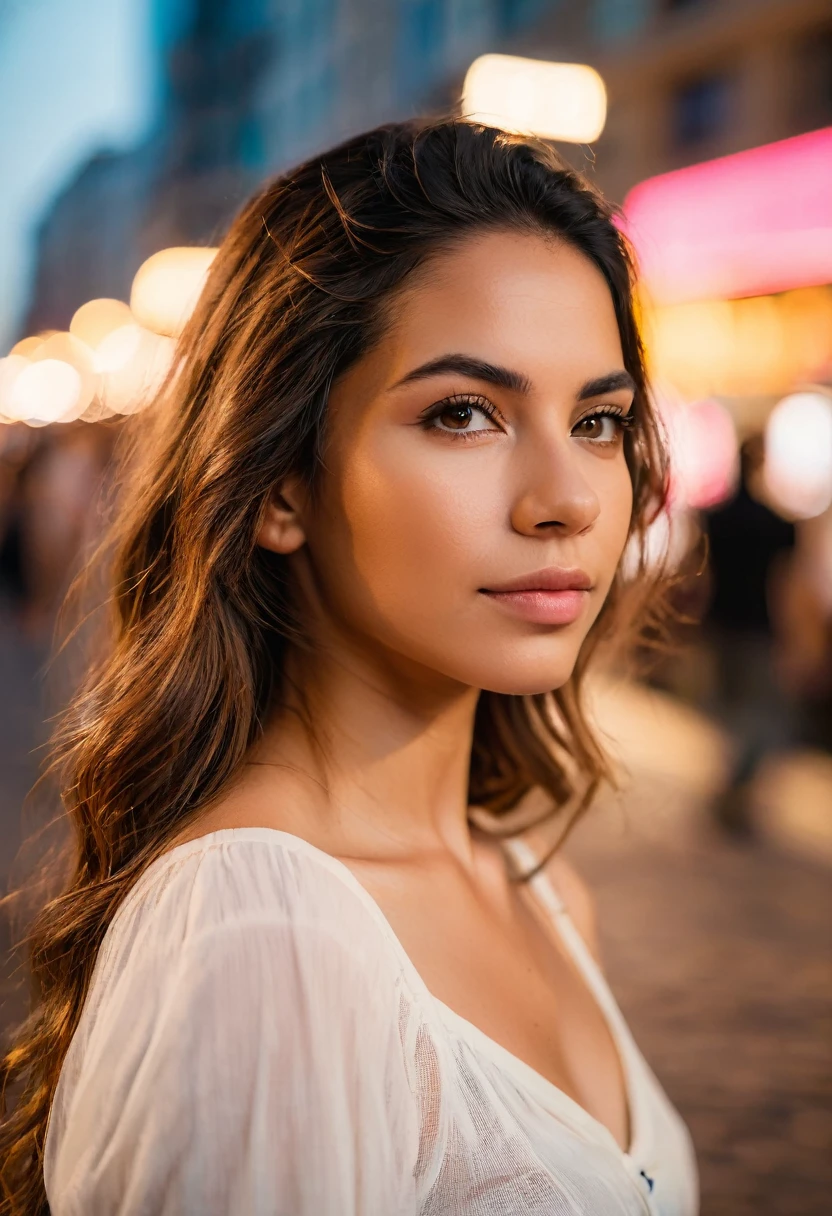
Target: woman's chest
508 1146
511 1143
517 985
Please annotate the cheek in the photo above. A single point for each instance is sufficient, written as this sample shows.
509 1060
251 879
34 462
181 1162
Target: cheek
406 527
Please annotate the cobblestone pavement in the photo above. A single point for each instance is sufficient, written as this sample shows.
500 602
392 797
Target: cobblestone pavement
721 957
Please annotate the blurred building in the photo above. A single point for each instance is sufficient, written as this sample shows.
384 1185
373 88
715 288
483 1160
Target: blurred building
690 80
251 86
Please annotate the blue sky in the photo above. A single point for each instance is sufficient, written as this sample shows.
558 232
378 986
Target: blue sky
75 76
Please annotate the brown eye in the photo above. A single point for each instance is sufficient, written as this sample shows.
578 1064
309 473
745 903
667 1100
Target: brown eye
591 428
462 416
602 428
456 417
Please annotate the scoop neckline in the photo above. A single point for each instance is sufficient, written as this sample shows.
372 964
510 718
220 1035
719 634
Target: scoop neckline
521 1071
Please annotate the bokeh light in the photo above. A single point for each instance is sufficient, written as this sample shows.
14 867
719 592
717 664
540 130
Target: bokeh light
118 348
753 223
28 346
167 287
46 391
798 460
667 541
565 101
133 363
10 368
759 345
69 349
98 318
704 453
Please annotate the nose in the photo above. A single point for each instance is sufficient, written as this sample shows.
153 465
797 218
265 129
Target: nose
555 496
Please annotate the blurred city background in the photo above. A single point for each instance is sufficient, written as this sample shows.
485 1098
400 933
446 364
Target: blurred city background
134 127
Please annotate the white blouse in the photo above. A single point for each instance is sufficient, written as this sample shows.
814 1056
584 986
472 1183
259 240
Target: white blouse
256 1042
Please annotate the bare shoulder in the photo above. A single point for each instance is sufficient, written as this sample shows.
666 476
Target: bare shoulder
578 898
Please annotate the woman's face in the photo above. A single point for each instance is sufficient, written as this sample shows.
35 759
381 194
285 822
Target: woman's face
476 500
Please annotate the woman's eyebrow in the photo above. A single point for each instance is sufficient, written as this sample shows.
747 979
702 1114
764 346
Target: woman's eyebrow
474 369
611 383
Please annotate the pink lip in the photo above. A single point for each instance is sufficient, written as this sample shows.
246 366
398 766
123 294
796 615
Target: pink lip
549 597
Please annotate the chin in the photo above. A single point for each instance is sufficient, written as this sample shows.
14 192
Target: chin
526 684
520 671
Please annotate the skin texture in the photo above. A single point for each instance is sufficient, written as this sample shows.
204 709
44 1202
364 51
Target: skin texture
392 555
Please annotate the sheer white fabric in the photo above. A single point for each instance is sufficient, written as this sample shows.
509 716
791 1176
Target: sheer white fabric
256 1042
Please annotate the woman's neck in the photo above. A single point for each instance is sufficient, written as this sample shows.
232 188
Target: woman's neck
379 751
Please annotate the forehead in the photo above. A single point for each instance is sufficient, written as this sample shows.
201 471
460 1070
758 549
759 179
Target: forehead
522 300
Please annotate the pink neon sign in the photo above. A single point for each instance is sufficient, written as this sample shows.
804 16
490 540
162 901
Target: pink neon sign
749 224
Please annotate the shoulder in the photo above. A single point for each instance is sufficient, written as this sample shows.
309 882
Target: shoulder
254 884
231 927
579 900
242 1030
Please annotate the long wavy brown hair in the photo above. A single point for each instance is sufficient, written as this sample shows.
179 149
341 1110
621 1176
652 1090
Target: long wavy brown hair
201 617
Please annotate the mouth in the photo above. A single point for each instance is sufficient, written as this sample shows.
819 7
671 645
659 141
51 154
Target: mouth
553 596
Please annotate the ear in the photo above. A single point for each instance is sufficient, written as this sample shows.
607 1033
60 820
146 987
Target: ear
281 530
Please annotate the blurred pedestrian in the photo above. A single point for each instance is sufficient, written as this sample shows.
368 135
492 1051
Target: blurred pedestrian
751 550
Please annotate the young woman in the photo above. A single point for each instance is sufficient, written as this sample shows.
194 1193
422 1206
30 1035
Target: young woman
306 965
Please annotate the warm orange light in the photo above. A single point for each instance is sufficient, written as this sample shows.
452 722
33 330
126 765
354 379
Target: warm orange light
167 287
94 320
27 346
758 346
565 101
77 354
133 363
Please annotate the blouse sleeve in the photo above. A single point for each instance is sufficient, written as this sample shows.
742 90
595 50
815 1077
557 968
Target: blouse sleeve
257 1069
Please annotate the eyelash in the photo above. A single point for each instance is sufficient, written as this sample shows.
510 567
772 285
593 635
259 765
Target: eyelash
486 407
625 421
482 404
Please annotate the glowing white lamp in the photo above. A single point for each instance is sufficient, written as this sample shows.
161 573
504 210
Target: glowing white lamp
133 363
118 348
167 287
97 318
10 369
565 101
45 391
69 349
798 454
27 346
